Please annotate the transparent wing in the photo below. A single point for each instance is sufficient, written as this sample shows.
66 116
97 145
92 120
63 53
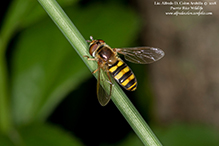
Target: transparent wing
102 82
141 55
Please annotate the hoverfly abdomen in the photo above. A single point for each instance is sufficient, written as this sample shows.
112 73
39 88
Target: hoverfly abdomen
123 75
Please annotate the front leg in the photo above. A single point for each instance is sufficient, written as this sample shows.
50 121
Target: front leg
92 59
88 58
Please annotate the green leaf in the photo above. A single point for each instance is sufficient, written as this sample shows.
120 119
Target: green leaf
20 14
47 135
5 141
44 69
188 135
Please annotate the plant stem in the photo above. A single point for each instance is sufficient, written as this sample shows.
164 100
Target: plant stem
118 96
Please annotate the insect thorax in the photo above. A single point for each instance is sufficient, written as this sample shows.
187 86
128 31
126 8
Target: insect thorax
107 54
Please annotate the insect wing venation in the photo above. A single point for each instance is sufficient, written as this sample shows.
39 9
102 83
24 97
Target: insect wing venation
102 96
141 55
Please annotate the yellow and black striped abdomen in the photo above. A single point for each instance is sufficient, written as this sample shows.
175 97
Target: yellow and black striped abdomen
123 75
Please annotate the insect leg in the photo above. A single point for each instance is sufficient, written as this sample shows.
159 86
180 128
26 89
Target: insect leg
88 58
110 83
95 71
92 59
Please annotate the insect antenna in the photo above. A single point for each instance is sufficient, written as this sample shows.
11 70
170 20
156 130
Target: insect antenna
90 40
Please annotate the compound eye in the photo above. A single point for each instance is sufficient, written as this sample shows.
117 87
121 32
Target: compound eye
93 47
101 41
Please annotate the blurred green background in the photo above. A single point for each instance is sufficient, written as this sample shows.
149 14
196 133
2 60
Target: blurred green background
48 96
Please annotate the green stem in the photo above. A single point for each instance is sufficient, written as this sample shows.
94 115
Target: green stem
118 96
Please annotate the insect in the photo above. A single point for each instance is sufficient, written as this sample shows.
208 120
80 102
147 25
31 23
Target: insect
108 61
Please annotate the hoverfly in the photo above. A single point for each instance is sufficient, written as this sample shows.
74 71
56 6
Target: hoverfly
109 62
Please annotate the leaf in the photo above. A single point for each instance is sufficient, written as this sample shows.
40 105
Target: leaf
5 141
191 135
44 69
45 135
